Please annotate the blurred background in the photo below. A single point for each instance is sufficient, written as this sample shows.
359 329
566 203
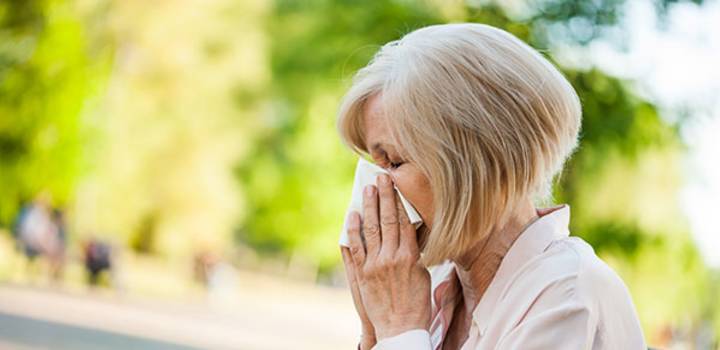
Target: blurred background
171 178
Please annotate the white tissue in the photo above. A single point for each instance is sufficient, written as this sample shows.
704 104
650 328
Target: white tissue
365 174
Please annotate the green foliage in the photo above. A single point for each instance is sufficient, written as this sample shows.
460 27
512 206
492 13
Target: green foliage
297 179
47 75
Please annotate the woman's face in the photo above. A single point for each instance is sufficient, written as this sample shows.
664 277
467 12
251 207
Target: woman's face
411 182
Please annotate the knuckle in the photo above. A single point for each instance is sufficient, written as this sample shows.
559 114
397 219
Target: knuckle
355 251
371 229
385 262
370 270
402 218
405 258
388 219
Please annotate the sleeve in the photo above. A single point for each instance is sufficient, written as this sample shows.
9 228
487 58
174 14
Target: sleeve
416 339
564 327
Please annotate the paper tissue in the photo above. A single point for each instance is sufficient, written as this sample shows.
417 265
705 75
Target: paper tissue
365 174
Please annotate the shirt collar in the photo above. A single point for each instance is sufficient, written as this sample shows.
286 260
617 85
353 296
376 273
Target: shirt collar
551 225
532 242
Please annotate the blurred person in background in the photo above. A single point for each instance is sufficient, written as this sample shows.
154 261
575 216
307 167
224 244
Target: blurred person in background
204 261
472 125
98 261
40 232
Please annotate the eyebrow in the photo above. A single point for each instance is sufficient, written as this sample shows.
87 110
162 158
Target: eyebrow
382 147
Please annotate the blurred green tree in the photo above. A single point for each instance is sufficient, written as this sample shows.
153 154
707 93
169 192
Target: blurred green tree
48 74
296 178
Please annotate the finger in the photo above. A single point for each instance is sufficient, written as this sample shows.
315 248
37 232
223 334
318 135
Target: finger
351 274
350 271
388 216
348 263
357 250
370 227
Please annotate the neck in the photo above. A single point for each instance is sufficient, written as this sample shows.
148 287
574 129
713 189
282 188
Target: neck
477 267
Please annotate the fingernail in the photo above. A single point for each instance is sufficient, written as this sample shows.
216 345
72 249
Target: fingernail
384 179
369 190
353 218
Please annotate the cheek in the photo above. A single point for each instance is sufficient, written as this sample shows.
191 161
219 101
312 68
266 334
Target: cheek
415 187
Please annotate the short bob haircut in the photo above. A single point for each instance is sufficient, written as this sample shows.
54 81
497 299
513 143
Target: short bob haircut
485 117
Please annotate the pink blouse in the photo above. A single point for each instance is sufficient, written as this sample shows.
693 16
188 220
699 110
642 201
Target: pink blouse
550 292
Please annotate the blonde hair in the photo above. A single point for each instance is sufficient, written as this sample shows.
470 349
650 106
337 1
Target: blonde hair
485 117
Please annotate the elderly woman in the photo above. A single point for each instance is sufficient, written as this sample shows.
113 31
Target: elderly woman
472 126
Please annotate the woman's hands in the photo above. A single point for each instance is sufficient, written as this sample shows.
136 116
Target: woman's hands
391 289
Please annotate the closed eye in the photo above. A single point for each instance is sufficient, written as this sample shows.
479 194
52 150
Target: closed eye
385 160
